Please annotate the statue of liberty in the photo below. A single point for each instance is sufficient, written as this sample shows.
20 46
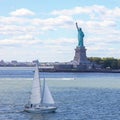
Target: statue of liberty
80 36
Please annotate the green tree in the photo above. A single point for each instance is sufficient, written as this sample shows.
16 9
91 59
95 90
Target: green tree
109 62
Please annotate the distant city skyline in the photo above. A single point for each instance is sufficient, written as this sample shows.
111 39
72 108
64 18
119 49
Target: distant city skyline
45 30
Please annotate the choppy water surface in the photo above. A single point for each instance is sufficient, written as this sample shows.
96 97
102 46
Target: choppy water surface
79 96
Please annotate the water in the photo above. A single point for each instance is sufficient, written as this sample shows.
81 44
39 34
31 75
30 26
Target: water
79 96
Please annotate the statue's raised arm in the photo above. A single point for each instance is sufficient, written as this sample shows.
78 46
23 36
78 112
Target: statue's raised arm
77 26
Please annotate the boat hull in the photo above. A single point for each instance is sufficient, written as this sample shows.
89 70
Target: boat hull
41 110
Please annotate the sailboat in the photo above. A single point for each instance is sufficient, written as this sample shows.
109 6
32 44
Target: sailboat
41 99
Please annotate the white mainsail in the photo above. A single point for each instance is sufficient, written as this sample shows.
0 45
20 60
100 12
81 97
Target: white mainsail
47 96
36 89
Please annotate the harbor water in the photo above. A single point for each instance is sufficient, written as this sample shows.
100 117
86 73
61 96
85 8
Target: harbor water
79 96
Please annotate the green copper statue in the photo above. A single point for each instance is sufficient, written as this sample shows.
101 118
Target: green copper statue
80 36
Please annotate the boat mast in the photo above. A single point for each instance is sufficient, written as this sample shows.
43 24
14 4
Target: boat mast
46 95
43 91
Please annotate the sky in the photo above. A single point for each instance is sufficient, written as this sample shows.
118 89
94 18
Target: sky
45 30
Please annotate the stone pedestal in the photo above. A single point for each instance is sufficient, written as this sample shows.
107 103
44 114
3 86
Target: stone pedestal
80 56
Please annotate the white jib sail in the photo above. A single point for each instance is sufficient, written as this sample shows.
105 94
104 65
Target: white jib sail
47 96
36 89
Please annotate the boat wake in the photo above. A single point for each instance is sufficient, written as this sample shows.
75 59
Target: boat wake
10 108
10 112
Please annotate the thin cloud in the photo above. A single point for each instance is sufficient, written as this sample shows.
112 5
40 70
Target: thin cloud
97 12
22 12
53 22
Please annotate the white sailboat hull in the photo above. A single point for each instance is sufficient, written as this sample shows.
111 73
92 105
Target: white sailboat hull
43 109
